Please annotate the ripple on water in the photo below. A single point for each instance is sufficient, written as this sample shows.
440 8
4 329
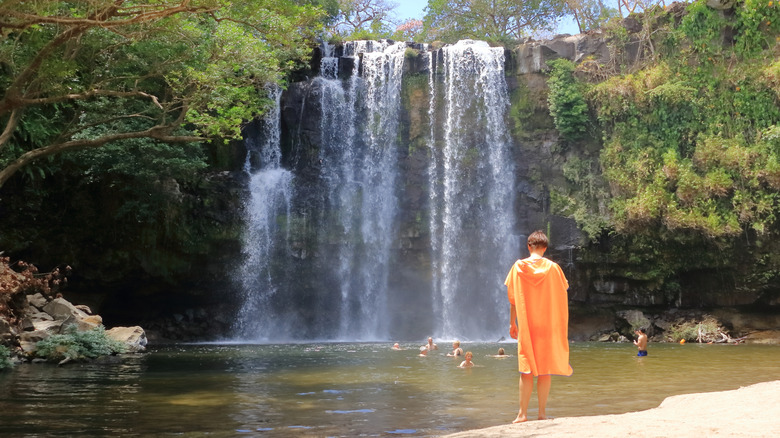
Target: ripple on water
354 411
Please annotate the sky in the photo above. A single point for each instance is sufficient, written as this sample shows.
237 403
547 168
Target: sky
414 9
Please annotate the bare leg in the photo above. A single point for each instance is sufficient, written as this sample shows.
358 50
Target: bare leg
543 384
526 388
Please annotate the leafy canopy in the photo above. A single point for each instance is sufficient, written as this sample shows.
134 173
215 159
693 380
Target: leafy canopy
84 74
492 20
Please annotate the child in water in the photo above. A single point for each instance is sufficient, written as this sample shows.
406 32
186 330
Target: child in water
467 363
456 350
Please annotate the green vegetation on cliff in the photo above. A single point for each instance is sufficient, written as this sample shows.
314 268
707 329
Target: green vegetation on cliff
690 148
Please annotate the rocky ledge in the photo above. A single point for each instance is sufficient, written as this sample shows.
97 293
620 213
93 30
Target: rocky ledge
28 318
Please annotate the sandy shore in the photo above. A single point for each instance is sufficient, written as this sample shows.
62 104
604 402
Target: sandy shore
751 411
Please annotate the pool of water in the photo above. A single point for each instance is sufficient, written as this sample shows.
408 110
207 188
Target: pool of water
343 389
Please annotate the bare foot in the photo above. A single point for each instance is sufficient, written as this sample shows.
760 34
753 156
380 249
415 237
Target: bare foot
520 419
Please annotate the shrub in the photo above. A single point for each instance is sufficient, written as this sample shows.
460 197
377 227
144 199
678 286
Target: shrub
77 345
707 330
5 358
567 103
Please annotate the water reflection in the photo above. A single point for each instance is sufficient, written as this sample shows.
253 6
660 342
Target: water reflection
348 389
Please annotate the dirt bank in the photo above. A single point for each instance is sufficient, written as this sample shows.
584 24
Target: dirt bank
751 411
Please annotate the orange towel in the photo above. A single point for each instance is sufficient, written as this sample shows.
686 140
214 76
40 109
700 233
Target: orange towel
537 289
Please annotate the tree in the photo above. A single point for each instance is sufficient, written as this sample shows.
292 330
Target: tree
497 20
84 74
590 14
409 30
357 16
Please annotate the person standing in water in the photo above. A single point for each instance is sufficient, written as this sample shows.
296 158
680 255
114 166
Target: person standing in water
539 320
641 342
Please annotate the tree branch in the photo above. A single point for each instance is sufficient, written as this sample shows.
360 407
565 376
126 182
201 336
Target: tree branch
137 17
157 132
87 95
10 127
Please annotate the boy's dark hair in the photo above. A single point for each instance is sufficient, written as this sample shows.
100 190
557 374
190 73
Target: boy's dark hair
538 239
641 330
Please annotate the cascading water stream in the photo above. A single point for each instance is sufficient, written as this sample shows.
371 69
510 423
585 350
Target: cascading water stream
471 192
270 188
359 171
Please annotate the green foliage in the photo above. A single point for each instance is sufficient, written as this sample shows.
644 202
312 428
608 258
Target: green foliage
687 174
376 32
509 20
5 358
134 72
687 146
362 20
567 103
700 31
581 201
757 26
591 14
78 345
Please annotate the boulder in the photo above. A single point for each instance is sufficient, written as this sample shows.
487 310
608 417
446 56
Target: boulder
5 329
51 327
60 308
82 324
34 314
134 338
27 324
84 308
37 300
27 340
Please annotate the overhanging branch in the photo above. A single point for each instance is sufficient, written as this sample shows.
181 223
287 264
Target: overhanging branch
160 133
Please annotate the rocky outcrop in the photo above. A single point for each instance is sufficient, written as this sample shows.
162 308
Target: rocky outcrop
532 56
36 317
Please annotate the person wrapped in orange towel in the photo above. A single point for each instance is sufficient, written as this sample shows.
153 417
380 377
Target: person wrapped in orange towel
539 320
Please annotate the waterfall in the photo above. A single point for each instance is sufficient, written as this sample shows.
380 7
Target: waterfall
471 192
270 189
324 257
359 170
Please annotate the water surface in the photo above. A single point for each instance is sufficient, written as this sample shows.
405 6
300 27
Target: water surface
342 389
